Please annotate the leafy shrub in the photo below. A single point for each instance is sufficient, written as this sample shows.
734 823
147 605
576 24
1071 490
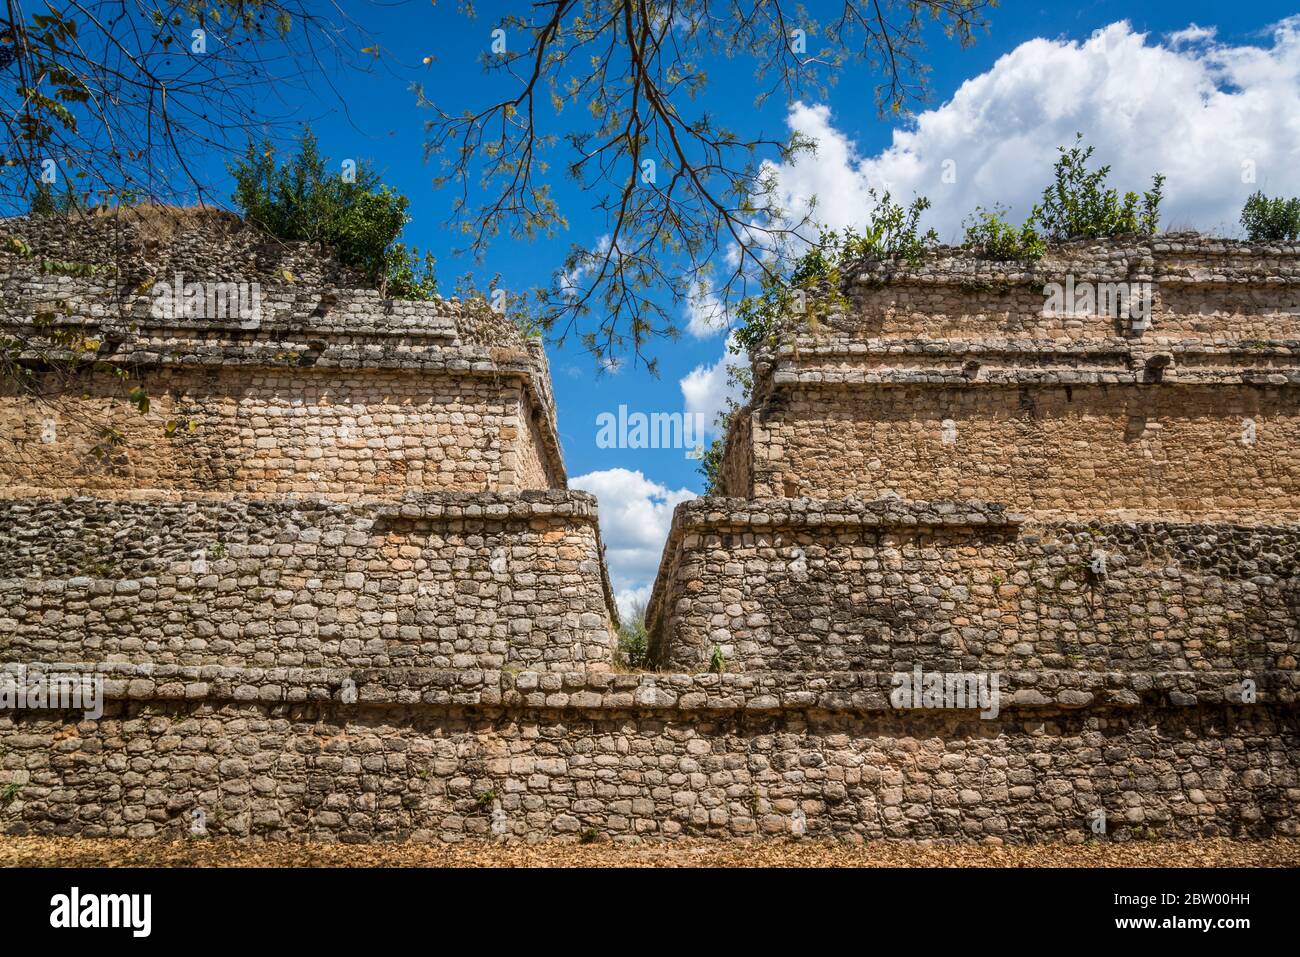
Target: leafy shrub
989 234
409 276
1079 204
1271 220
301 200
45 202
891 232
633 640
711 461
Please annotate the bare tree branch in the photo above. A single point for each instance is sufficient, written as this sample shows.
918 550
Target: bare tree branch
688 205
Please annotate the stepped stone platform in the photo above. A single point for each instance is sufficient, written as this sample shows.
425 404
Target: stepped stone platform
954 379
333 585
807 585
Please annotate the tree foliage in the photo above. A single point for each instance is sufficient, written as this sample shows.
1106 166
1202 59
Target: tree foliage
612 88
115 99
1271 220
303 199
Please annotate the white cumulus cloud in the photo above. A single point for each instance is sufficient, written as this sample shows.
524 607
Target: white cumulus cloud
635 515
705 388
1205 113
705 315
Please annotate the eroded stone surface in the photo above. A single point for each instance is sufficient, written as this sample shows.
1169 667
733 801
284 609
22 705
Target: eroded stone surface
353 602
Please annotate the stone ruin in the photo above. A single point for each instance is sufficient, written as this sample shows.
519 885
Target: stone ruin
336 588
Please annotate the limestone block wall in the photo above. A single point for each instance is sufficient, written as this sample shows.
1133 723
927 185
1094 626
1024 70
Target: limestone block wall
328 389
444 581
527 756
812 586
952 379
1043 448
270 431
334 590
1202 290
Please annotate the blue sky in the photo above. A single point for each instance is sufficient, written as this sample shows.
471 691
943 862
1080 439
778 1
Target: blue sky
1194 89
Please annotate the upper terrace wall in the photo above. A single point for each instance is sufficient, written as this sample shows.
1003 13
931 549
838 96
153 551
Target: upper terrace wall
948 380
267 430
1065 450
328 389
1203 289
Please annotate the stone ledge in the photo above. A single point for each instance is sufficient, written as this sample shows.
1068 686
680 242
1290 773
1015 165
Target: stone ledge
1264 376
1180 257
430 504
303 353
843 344
809 512
340 313
856 692
452 506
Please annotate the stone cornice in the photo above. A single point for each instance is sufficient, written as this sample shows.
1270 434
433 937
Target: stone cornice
850 692
1167 258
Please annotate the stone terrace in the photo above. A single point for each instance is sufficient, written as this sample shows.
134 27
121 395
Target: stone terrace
354 601
950 380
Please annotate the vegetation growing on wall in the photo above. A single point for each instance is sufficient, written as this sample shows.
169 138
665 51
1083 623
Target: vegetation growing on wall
47 202
740 378
991 235
1079 205
356 214
633 640
1271 220
813 288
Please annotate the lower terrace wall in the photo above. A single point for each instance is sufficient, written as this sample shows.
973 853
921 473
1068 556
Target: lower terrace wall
437 581
806 585
1066 450
533 756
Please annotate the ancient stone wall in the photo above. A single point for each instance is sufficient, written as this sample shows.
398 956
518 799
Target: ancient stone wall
435 581
1202 290
954 379
334 609
320 389
447 756
271 431
1079 450
813 586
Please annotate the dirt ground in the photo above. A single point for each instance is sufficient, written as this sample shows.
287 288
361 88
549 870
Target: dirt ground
92 852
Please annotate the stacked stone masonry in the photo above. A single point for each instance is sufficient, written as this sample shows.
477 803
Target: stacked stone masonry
457 580
352 601
958 379
800 585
